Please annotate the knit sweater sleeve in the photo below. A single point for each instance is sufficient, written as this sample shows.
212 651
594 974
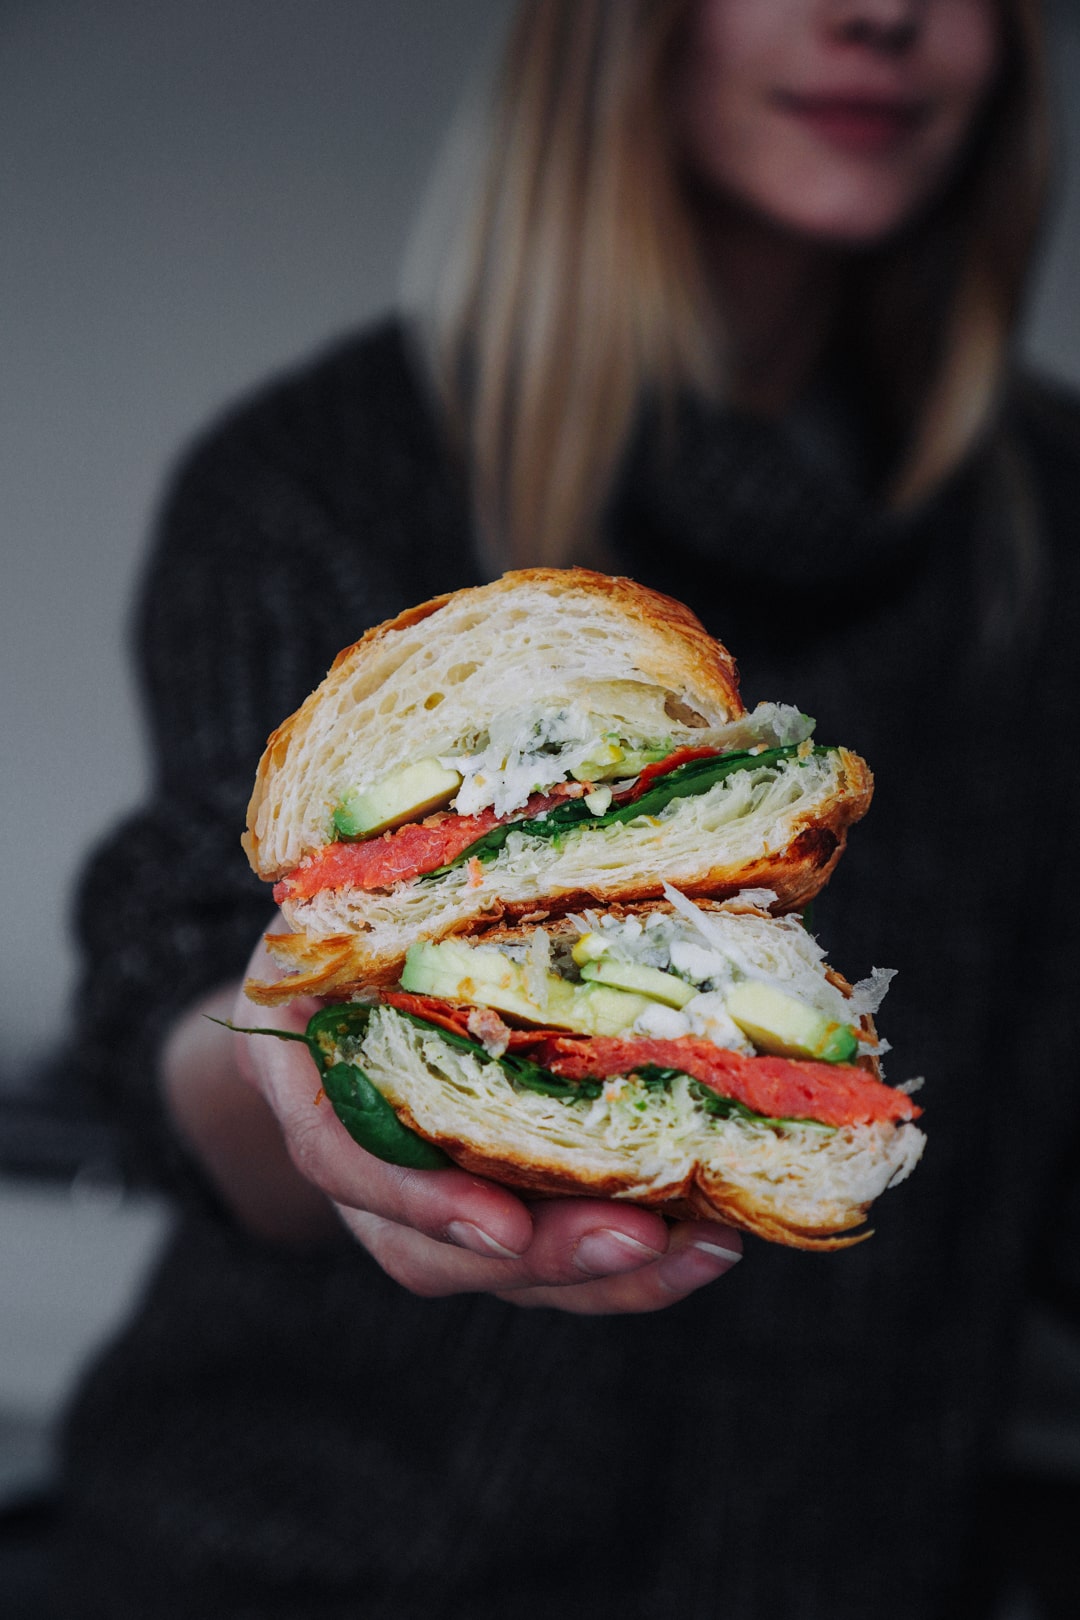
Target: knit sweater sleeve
274 549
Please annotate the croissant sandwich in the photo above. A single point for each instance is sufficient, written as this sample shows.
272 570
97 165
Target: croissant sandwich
555 740
698 1059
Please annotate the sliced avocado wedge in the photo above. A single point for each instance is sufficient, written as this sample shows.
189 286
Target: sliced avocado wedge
590 948
612 760
488 979
645 981
604 761
405 795
592 955
459 973
786 1027
599 1009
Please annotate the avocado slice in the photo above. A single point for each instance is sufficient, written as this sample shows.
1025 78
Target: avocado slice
781 1024
592 955
590 948
611 759
646 981
488 979
405 795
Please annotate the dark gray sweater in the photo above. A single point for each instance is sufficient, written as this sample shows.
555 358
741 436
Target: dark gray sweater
807 1439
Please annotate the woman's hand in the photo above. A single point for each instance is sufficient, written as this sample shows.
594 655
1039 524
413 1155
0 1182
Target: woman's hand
443 1231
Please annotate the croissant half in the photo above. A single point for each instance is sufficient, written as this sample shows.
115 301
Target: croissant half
508 1069
552 653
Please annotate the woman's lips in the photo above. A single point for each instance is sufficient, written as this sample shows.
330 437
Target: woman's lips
866 124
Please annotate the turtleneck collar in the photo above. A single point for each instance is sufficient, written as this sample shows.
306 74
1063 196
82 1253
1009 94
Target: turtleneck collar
784 506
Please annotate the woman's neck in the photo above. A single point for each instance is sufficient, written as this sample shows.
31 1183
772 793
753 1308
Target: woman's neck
779 296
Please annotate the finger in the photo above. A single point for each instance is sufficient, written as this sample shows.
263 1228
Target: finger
417 1222
564 1241
433 1269
483 1217
575 1239
698 1254
422 1264
255 1054
448 1206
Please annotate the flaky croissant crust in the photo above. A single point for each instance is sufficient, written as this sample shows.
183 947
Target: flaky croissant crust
408 688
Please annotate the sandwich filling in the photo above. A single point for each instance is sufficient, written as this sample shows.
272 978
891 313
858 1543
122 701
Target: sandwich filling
544 775
735 1005
676 1054
650 1135
704 1061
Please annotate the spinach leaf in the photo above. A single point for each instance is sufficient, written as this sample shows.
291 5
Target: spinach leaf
696 776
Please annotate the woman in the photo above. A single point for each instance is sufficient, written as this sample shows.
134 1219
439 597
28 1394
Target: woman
734 316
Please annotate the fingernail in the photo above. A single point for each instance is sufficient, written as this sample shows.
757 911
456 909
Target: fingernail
468 1236
698 1263
718 1250
600 1253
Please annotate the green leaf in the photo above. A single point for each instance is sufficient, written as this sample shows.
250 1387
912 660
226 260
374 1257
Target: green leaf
696 776
240 1029
371 1120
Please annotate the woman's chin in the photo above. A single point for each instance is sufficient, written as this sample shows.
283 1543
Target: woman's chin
857 218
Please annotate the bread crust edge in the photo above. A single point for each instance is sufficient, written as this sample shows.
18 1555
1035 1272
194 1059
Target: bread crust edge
702 661
701 1197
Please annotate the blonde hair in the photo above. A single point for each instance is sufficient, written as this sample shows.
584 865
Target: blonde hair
576 287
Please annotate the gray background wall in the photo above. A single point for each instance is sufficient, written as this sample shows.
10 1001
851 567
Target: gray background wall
191 195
